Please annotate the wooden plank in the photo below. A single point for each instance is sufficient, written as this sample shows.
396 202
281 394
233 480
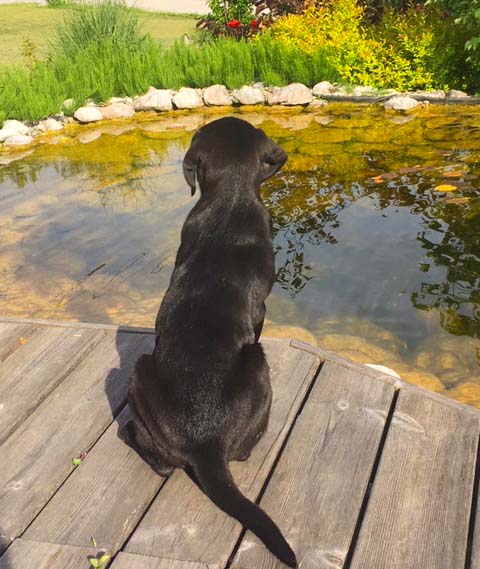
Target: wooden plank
182 523
37 458
102 498
30 374
132 561
24 554
316 492
418 512
67 324
12 335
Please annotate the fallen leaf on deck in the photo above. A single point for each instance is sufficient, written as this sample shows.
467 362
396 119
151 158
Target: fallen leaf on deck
23 341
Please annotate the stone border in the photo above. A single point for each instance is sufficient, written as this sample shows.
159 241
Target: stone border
16 134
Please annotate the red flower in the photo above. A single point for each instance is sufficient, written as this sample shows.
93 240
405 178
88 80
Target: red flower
254 24
234 24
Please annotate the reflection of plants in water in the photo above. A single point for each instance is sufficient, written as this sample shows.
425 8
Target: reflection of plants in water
453 244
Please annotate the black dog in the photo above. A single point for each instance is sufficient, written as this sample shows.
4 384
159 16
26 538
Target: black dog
203 397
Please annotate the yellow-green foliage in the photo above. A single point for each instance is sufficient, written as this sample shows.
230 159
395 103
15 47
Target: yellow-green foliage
390 55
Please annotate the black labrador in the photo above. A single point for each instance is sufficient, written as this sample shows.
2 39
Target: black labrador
203 397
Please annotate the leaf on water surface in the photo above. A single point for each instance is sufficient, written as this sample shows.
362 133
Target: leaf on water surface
457 200
377 179
445 188
453 174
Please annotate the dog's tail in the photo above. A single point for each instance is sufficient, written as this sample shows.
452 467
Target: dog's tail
212 471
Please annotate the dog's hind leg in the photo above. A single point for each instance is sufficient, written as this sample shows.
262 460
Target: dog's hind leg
136 436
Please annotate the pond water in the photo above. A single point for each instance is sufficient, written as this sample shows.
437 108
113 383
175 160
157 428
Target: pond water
372 260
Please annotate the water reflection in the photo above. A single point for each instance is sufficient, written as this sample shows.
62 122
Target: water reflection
372 261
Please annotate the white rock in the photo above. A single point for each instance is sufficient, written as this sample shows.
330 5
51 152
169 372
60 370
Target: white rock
154 99
49 125
88 114
430 95
401 103
68 103
117 111
323 88
383 369
16 126
339 91
18 140
456 94
248 96
6 133
364 91
293 94
187 98
217 95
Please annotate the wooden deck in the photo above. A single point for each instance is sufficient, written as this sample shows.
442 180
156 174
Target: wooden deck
359 470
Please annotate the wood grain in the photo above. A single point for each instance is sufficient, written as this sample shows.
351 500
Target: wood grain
25 554
182 523
37 458
316 492
419 509
132 561
104 498
12 335
35 369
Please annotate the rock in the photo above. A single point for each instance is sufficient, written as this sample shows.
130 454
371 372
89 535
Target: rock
18 140
68 104
401 103
456 94
248 96
339 91
117 111
126 100
16 126
88 114
278 331
293 94
467 392
217 95
323 88
154 99
187 98
317 103
384 369
364 91
7 133
430 95
49 125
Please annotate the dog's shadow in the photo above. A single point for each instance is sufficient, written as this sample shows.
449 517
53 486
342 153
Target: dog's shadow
116 382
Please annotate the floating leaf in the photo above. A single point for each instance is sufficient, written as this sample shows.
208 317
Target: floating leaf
453 174
445 188
457 200
377 179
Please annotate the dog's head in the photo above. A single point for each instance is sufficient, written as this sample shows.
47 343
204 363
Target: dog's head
231 150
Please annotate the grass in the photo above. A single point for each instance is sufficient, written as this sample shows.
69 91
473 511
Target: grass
36 25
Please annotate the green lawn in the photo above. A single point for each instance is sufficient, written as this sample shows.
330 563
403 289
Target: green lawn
36 24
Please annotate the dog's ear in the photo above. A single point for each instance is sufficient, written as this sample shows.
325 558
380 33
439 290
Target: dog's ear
190 167
272 159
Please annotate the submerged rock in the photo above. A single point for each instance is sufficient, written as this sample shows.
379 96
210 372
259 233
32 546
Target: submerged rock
401 103
187 98
88 114
18 140
279 331
293 94
117 111
217 95
248 96
154 99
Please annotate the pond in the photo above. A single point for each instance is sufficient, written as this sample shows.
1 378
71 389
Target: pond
373 259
